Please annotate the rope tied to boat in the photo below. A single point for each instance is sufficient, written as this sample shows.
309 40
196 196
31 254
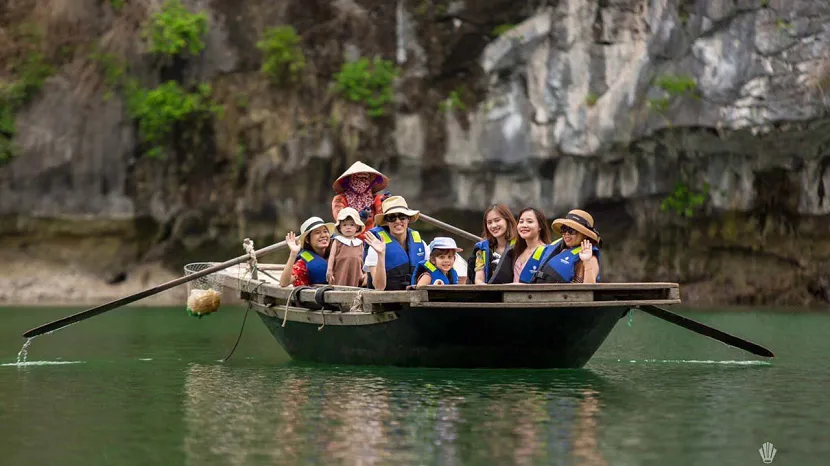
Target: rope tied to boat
248 245
357 303
250 291
288 303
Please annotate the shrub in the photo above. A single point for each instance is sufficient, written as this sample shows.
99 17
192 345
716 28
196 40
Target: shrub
31 71
684 201
452 102
591 99
159 110
284 58
7 132
368 83
501 29
673 85
658 104
175 31
676 85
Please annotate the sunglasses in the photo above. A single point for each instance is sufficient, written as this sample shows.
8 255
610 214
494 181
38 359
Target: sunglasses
392 218
568 230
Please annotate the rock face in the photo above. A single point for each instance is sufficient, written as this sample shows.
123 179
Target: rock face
607 105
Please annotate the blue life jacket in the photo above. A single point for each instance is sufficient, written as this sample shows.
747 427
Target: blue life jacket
532 265
434 273
559 264
316 265
484 246
400 263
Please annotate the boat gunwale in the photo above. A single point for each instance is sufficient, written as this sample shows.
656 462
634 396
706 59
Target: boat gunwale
552 295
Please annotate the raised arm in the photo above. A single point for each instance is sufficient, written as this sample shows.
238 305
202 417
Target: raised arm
378 271
590 264
287 278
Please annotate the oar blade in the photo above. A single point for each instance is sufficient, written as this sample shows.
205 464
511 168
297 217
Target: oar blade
706 330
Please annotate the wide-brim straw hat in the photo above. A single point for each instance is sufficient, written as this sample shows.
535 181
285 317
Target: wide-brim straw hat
312 224
395 205
350 212
381 180
580 221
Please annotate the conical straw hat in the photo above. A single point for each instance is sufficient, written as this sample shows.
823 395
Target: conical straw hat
360 167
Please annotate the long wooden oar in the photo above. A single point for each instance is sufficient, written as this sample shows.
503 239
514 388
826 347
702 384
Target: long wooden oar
68 320
449 228
702 329
658 312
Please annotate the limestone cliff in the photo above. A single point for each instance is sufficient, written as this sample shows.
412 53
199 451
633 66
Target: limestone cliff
615 106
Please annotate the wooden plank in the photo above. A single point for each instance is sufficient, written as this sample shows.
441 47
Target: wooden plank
655 302
674 293
305 316
268 267
553 287
343 295
547 296
236 278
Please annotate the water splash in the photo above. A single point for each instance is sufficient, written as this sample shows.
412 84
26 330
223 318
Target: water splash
39 363
24 352
695 361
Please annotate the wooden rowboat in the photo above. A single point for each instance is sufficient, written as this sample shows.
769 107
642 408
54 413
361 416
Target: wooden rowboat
465 326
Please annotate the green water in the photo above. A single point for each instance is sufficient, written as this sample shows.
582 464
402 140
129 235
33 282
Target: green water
144 387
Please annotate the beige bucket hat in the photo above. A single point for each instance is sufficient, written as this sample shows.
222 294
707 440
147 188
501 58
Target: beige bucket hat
580 221
395 205
360 167
312 224
350 212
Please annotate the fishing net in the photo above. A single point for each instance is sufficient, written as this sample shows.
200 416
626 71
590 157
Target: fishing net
203 293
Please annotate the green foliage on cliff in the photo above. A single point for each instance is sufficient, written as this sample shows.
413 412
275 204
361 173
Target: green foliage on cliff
452 102
591 99
117 5
658 104
159 110
684 201
673 86
175 31
284 58
368 83
29 71
502 28
676 85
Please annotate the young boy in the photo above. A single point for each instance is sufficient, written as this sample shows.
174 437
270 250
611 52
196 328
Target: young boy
438 270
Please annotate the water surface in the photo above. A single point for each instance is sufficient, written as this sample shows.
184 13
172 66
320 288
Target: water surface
145 386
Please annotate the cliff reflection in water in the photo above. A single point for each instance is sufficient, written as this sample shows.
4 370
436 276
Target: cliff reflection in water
297 415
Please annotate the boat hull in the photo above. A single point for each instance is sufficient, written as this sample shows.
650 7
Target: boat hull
464 326
462 338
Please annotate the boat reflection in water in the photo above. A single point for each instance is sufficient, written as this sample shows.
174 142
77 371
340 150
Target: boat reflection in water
301 414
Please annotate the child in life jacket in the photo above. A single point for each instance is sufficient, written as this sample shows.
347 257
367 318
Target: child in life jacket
438 270
345 267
